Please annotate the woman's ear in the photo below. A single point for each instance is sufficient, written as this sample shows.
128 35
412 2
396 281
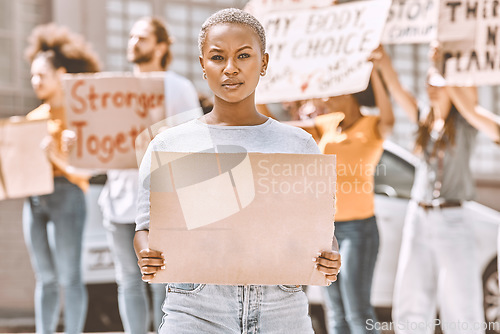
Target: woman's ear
60 72
265 61
200 58
203 67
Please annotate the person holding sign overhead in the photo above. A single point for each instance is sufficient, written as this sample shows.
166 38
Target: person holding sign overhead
437 261
356 140
149 50
56 258
232 55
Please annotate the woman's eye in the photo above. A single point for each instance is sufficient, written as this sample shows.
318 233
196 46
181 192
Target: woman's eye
216 57
244 55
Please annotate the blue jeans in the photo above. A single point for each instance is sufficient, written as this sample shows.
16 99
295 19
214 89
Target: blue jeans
55 253
132 294
348 299
224 309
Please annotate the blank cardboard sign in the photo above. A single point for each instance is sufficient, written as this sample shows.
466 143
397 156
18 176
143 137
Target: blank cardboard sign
241 218
24 167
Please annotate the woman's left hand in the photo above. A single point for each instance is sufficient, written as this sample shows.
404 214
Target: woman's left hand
328 263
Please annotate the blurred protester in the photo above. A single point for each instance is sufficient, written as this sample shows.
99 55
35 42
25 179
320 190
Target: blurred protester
149 50
56 252
341 129
437 264
357 141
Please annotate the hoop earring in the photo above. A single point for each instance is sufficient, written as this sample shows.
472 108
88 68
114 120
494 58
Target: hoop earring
204 76
262 73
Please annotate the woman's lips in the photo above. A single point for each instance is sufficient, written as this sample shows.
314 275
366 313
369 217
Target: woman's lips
232 85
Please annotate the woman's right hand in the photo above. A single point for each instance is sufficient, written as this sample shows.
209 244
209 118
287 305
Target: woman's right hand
150 262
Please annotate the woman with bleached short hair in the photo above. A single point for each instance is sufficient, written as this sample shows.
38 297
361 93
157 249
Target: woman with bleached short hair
232 55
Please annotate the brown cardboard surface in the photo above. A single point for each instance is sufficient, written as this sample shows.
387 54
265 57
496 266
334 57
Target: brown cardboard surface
241 218
24 167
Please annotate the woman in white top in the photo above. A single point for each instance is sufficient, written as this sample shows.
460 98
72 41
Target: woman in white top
232 47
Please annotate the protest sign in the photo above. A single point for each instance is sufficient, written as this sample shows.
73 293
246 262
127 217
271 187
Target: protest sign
107 111
470 41
411 22
24 167
241 218
259 7
320 52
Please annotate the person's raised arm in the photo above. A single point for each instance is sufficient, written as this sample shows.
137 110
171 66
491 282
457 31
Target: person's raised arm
383 103
402 96
465 100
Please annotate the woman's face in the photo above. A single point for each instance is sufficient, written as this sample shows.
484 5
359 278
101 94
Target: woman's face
233 61
438 97
44 79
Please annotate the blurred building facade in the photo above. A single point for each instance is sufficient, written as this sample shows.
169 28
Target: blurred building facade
106 24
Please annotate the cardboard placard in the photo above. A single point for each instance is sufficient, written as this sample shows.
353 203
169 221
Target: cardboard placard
241 218
107 111
320 52
24 167
411 22
469 32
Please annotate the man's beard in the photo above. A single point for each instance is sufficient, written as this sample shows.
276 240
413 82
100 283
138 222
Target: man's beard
141 58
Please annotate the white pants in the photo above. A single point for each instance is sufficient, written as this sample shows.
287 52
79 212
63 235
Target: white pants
437 269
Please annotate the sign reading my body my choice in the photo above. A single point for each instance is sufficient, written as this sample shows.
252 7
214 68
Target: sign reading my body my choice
107 111
470 39
320 52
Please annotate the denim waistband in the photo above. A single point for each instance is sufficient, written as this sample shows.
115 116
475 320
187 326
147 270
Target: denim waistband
364 220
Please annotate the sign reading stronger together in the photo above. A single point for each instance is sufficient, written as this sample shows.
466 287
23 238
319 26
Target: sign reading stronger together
320 52
107 111
241 218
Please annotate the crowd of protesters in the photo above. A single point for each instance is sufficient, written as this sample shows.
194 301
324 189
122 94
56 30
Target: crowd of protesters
436 264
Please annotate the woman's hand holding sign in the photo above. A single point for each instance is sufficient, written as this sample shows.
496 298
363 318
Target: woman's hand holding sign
328 263
150 261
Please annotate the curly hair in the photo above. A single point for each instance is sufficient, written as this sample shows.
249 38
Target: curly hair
62 48
232 15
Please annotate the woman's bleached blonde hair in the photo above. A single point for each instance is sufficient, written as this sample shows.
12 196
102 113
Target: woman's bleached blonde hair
232 15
